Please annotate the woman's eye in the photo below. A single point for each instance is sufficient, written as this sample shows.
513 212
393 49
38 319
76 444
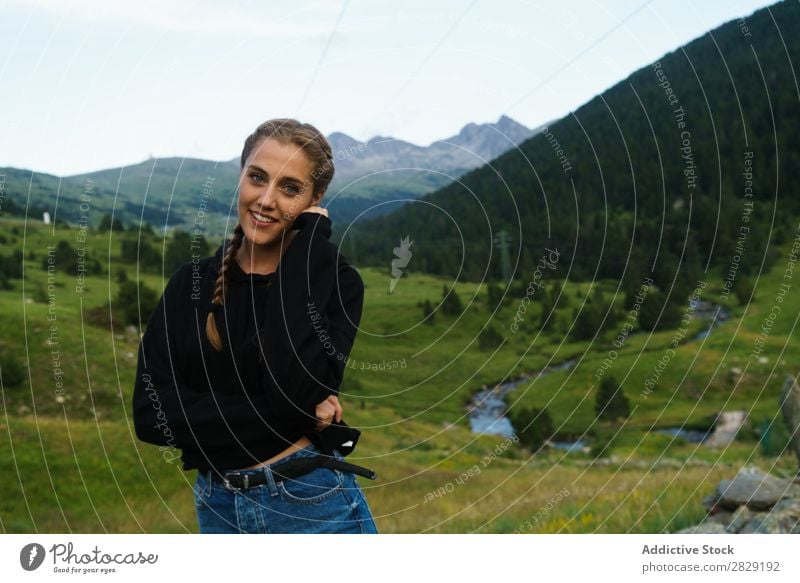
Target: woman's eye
292 188
257 178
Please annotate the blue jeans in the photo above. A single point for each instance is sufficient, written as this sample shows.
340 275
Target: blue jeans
322 501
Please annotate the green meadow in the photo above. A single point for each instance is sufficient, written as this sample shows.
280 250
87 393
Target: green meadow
73 464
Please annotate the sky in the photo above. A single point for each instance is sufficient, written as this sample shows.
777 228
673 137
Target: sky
92 84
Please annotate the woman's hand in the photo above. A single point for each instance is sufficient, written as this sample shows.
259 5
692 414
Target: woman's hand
327 411
317 209
291 234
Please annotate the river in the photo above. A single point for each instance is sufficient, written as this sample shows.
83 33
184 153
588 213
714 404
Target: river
488 406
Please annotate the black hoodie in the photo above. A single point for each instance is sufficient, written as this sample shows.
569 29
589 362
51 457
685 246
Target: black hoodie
287 336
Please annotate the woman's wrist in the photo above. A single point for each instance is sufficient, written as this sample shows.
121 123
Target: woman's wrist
315 222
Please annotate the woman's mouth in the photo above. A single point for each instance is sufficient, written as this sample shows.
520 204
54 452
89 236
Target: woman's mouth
262 220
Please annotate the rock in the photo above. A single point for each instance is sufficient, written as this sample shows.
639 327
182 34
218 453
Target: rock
786 515
740 517
784 521
710 504
722 517
761 503
131 330
788 505
754 526
753 488
704 528
725 429
763 360
790 407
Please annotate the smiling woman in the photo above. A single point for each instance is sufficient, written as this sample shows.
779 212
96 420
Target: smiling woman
253 402
272 192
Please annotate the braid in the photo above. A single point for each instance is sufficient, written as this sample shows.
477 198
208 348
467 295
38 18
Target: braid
219 290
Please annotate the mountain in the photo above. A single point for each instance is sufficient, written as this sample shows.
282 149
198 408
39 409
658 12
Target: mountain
384 173
471 148
687 165
171 191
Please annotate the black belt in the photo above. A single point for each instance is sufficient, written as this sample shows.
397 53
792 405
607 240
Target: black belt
249 478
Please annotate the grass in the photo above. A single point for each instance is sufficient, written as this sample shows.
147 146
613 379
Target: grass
76 465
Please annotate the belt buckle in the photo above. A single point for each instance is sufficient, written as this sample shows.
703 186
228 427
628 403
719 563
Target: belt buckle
227 483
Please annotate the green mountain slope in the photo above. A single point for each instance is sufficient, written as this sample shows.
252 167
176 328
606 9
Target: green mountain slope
644 177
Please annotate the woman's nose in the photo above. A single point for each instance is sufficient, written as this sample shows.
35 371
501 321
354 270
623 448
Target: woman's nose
267 198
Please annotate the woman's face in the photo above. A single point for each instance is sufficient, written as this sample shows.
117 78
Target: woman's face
275 186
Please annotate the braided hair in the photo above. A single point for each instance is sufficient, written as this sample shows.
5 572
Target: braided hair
319 152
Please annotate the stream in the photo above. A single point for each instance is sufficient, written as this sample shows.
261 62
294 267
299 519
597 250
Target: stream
488 406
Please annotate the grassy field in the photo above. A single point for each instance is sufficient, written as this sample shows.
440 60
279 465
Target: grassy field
73 463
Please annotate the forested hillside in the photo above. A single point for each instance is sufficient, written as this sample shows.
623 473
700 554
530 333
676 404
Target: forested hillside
645 177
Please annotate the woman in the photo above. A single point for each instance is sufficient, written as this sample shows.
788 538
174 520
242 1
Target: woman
241 362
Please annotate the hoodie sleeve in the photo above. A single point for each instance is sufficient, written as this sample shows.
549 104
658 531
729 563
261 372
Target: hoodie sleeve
168 412
313 316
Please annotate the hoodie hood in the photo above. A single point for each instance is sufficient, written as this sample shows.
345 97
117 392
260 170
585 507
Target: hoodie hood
235 272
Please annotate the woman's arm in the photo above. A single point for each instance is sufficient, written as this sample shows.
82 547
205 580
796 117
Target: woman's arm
166 411
306 346
314 311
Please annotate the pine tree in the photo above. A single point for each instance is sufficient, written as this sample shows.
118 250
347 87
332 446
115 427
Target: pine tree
610 402
428 313
533 426
489 338
451 303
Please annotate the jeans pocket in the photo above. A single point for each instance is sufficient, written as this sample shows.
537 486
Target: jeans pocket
201 489
316 486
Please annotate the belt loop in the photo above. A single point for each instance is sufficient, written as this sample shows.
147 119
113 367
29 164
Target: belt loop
209 484
273 488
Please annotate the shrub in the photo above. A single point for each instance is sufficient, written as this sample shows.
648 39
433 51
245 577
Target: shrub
451 303
65 258
743 289
135 301
11 266
428 313
182 248
533 426
602 444
148 257
649 319
610 402
40 294
12 373
489 338
494 295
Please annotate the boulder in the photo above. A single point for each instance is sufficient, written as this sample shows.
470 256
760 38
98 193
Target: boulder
753 488
726 427
704 528
790 407
722 517
741 516
782 519
751 503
